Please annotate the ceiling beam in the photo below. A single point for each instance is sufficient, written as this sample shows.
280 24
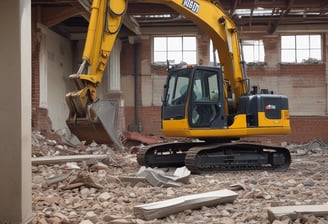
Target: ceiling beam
228 4
282 12
234 7
148 8
273 26
324 4
54 15
83 8
52 2
131 24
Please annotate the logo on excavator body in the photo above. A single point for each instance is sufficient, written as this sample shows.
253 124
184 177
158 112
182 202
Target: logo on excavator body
270 107
192 5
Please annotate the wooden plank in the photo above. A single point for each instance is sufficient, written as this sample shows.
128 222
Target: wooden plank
293 211
167 207
65 159
135 136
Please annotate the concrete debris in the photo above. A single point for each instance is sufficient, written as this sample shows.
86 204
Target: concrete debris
157 177
313 147
86 222
98 166
66 159
58 178
58 146
237 187
91 190
134 180
316 144
82 179
305 212
67 137
171 206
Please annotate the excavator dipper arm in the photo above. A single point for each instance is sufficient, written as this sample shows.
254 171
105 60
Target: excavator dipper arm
89 118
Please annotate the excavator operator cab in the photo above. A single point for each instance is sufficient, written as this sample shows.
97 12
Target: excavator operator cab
196 96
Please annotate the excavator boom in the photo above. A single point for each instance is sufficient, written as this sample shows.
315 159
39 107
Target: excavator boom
104 25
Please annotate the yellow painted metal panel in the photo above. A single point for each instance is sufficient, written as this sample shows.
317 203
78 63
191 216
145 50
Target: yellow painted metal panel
180 128
117 7
239 121
265 122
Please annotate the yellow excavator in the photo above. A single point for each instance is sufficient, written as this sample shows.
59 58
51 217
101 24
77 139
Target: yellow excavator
212 104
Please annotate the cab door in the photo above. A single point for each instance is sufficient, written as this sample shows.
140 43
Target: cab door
176 94
206 108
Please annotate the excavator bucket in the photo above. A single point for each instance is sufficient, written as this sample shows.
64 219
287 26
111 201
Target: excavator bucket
99 125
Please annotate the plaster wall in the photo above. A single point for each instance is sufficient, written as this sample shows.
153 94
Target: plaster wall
59 67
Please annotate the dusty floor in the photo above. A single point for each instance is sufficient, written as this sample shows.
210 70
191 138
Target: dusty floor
105 199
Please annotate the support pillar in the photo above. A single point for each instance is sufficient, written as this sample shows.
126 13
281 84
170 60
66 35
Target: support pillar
15 112
326 69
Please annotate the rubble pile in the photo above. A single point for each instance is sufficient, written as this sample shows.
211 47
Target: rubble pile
107 189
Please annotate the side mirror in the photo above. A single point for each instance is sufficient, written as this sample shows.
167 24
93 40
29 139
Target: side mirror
164 101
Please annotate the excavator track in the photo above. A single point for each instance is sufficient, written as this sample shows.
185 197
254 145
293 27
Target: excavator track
165 155
237 156
201 157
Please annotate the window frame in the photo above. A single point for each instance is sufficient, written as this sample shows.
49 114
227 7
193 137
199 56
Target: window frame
214 54
296 49
182 51
258 51
243 51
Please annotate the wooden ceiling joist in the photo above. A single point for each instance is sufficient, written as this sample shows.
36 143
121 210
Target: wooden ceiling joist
54 15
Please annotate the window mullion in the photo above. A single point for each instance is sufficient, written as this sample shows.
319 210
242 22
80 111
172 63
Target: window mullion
167 48
182 49
295 44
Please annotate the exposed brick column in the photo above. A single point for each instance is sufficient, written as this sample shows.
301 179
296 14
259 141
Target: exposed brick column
40 118
35 66
325 58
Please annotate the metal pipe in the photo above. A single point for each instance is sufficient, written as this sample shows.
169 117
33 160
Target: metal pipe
136 84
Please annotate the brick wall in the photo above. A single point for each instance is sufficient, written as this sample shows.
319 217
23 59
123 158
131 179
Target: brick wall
149 117
304 84
127 59
287 70
203 49
35 70
40 119
304 128
299 77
